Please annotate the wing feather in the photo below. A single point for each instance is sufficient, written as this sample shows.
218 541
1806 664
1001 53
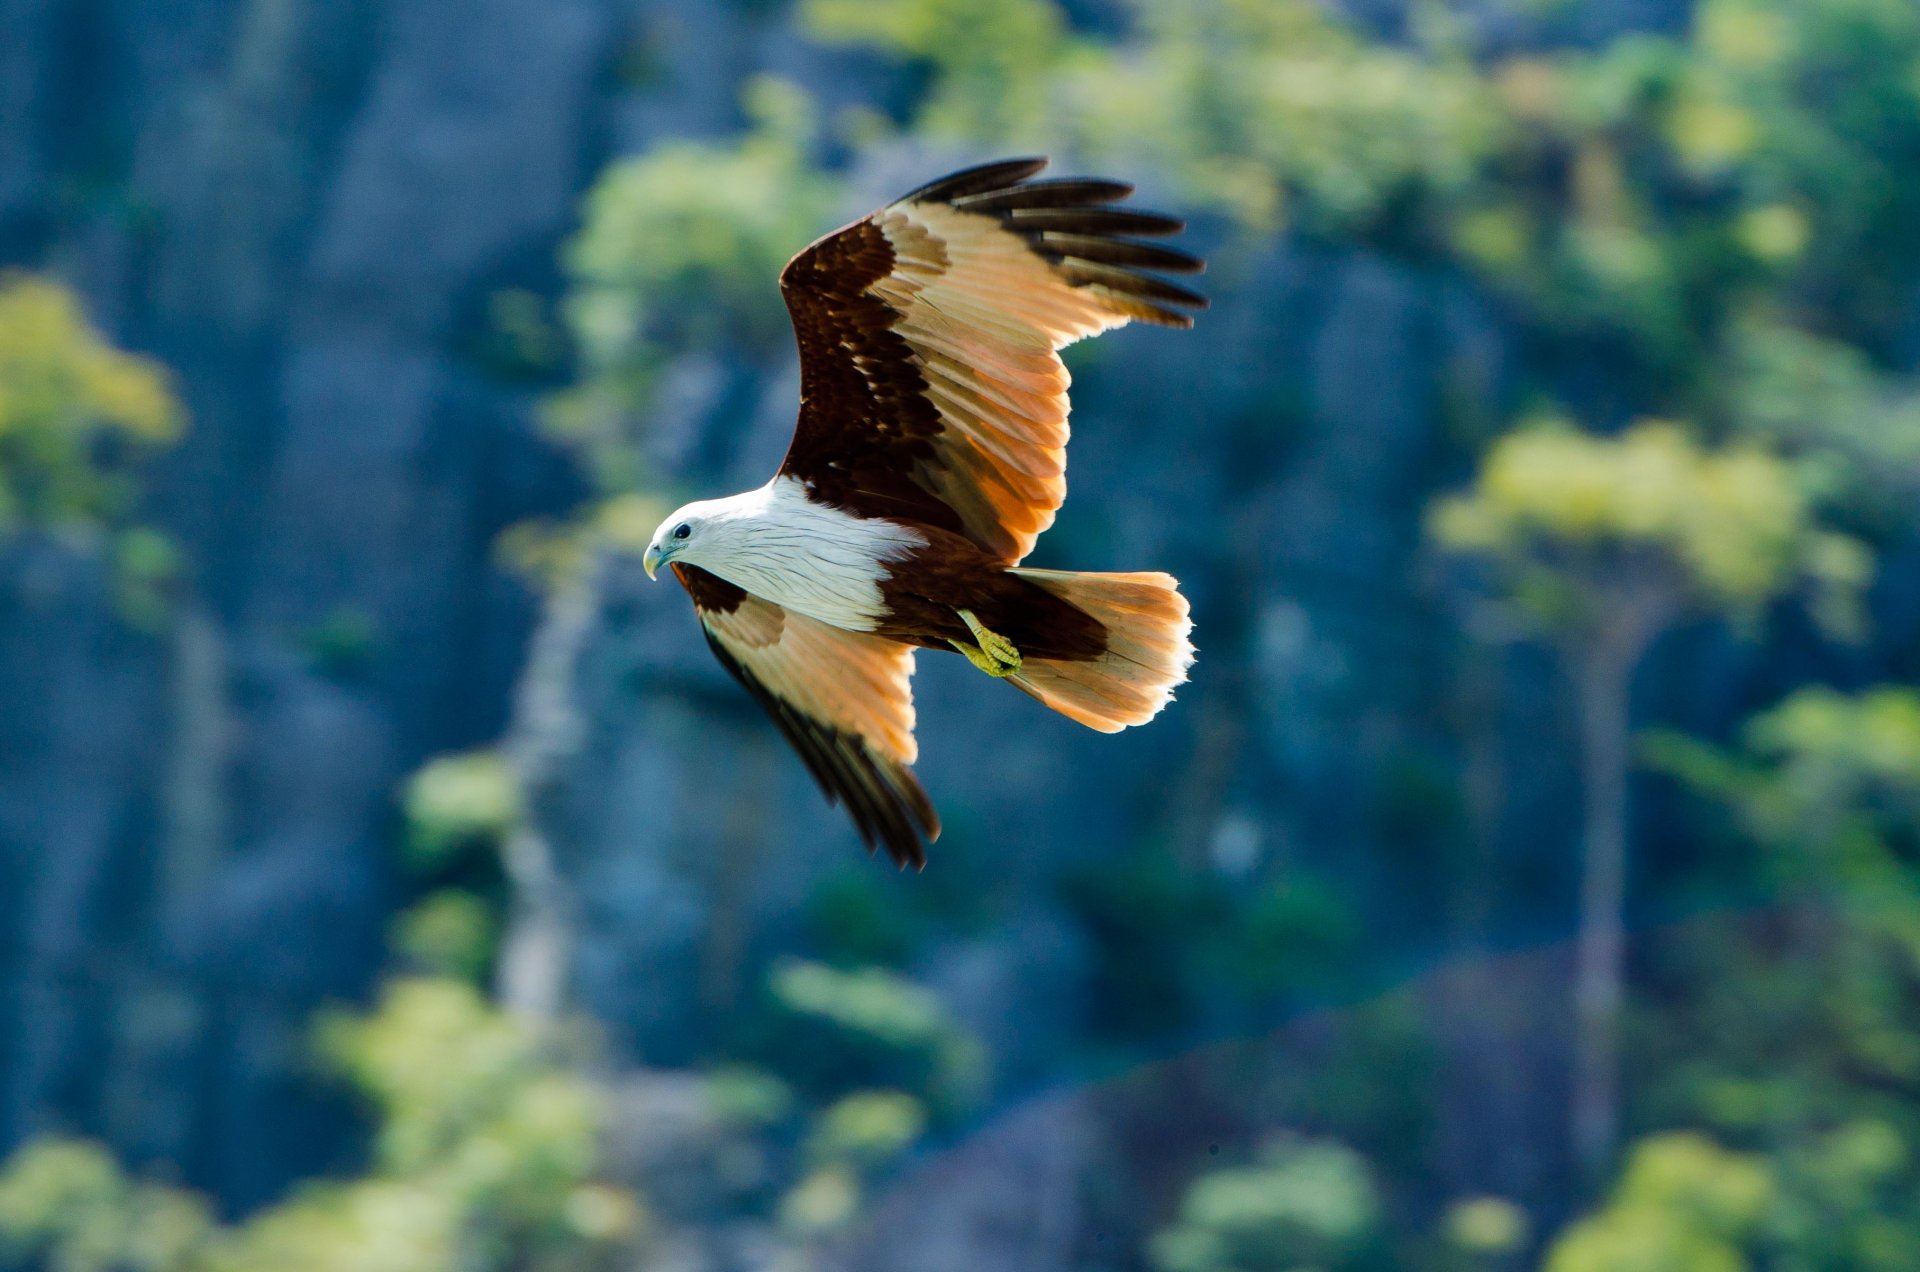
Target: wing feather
843 700
931 382
1056 192
984 179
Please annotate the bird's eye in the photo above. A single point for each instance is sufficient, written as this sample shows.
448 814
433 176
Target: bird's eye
682 530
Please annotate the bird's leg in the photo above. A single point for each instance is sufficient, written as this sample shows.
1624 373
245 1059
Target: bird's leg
995 654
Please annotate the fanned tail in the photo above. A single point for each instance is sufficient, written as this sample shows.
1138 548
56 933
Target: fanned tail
1147 652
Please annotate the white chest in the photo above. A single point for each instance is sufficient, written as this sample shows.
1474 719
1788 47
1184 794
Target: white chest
813 559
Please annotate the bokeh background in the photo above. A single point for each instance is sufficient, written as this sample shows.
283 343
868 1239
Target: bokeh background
390 882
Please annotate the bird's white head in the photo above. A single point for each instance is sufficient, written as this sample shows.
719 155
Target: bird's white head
707 533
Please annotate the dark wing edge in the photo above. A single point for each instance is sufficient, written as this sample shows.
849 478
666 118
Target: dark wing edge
888 805
1071 224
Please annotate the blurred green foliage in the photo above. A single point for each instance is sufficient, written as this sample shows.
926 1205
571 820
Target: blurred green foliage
850 1069
146 570
486 1157
868 1126
1486 1232
67 1205
451 932
852 1139
1828 785
1257 107
1683 1204
459 811
1581 526
1857 431
77 418
74 412
1805 1032
1305 1206
834 1032
682 248
686 242
987 60
459 803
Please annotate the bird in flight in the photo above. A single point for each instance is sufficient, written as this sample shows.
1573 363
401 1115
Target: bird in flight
929 456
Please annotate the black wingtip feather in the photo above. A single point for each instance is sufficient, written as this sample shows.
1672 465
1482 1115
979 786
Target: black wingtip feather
1119 251
980 179
1069 221
1128 282
1104 221
1058 192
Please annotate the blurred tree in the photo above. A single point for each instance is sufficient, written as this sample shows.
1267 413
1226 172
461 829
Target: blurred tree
461 813
1598 546
1828 784
65 1205
1659 193
76 417
987 60
1253 108
1803 1044
1827 787
851 1067
1485 1233
834 1033
485 1159
1684 1204
459 802
681 251
74 412
451 932
1855 427
1305 1206
1643 200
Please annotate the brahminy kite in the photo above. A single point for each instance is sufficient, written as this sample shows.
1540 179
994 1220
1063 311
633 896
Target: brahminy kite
929 455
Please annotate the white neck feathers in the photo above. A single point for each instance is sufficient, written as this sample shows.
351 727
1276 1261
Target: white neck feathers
813 559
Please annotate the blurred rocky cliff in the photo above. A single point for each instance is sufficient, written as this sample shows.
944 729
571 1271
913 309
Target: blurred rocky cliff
313 213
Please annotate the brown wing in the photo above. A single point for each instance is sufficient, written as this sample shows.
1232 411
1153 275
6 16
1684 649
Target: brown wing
843 699
931 387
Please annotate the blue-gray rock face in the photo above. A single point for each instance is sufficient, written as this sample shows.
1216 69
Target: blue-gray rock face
291 203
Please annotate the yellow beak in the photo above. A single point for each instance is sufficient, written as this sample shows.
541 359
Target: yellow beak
651 561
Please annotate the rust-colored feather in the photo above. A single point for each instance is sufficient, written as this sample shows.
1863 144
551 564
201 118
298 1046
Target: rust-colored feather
842 699
931 384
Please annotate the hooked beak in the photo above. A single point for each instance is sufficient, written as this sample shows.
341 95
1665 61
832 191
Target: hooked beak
651 561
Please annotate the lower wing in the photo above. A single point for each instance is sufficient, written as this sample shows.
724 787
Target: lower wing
843 699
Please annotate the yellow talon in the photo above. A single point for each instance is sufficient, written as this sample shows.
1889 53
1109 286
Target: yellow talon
985 661
995 655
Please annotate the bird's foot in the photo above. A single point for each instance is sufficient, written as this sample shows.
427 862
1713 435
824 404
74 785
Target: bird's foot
985 661
995 654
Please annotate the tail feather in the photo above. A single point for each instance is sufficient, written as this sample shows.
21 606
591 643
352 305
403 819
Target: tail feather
1147 650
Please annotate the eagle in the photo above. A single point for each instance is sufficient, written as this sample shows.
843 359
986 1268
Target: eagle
929 455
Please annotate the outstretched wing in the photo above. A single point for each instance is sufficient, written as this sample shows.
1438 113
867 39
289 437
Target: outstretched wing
931 387
843 699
